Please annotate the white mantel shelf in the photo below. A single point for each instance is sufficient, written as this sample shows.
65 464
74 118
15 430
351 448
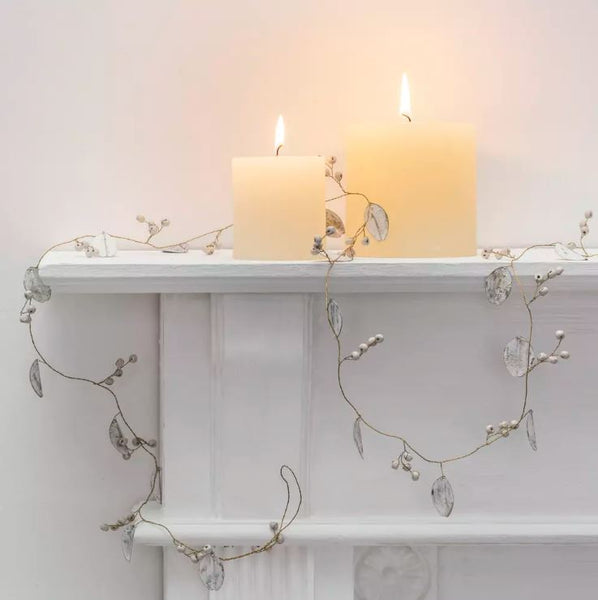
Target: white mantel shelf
355 533
157 272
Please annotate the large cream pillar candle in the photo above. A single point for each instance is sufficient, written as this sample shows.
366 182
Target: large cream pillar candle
424 175
279 206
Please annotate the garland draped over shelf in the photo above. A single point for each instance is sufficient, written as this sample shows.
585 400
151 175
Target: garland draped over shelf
519 357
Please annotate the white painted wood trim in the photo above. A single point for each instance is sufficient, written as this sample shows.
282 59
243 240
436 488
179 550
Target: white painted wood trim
354 533
215 387
306 457
156 272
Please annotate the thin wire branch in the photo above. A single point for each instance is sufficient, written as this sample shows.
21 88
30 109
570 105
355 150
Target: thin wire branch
342 359
138 516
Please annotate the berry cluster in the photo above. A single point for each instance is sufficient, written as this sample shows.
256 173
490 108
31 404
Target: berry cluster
28 309
318 246
120 523
330 172
363 348
541 278
404 462
553 357
584 228
152 227
192 554
85 246
498 253
120 364
504 428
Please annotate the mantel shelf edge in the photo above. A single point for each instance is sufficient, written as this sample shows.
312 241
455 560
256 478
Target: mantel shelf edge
194 272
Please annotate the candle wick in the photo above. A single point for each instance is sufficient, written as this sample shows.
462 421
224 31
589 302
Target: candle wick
278 149
406 116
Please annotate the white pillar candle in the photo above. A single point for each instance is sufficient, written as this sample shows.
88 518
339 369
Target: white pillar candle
424 175
279 205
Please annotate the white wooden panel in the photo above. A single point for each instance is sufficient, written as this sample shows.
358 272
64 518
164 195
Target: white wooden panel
439 379
261 394
279 574
333 572
185 404
518 572
253 384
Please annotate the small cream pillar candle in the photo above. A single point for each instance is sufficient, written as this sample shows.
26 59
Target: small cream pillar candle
424 176
279 206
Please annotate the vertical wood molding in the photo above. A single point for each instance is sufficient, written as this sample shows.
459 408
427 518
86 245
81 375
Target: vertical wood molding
216 360
304 472
277 575
162 395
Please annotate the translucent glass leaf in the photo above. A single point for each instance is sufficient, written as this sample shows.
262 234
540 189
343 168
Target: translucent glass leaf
177 249
127 541
531 430
35 378
33 283
376 221
333 220
335 317
117 439
518 356
211 571
357 436
567 253
105 245
157 494
442 496
498 285
115 433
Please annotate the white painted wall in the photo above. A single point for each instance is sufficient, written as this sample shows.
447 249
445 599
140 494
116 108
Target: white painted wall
110 108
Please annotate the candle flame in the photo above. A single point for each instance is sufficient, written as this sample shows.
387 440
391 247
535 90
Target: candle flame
279 135
405 105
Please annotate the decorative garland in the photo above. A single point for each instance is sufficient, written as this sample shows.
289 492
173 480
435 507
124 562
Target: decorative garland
519 357
210 564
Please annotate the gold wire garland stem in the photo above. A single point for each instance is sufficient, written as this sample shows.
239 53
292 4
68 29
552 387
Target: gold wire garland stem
217 232
346 194
138 513
342 360
72 241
